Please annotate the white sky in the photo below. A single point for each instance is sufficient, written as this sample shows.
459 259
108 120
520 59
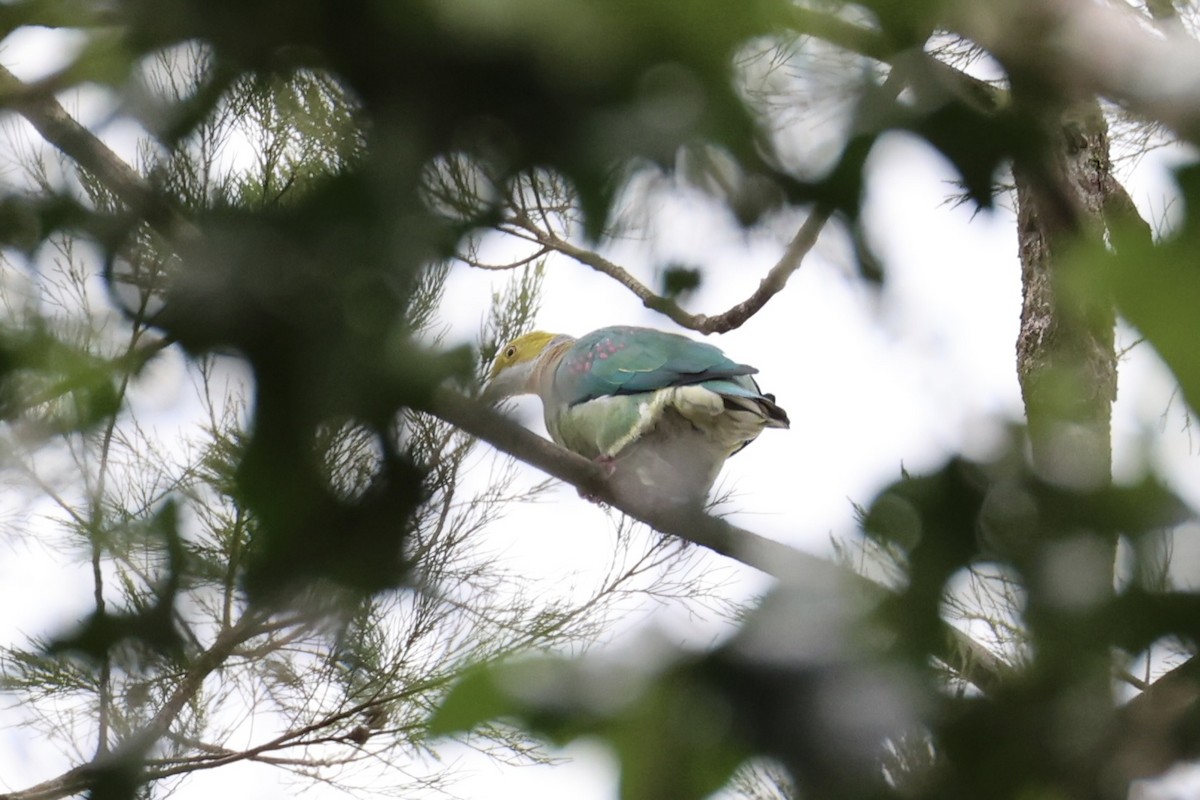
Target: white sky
872 381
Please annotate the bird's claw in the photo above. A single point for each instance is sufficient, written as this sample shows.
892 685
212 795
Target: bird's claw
608 466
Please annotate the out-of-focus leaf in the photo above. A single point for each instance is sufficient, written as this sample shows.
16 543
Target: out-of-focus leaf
934 519
105 58
800 683
306 533
679 280
117 777
475 699
670 728
1139 618
804 684
978 144
50 14
677 741
313 295
1143 507
52 384
1156 286
842 188
579 85
152 626
870 267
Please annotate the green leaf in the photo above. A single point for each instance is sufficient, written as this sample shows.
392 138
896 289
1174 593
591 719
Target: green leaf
670 728
1157 286
475 699
678 280
934 518
676 741
150 623
59 385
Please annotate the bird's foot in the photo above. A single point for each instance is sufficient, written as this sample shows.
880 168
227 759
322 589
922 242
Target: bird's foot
608 465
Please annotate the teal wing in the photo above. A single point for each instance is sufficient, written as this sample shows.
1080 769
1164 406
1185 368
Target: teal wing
628 360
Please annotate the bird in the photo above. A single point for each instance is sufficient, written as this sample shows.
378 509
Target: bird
661 412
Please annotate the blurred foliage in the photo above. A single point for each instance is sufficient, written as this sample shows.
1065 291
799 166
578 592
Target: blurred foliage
394 132
1155 284
680 280
837 685
148 623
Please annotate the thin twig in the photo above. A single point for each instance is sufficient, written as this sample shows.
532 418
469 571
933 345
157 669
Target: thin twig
774 281
79 778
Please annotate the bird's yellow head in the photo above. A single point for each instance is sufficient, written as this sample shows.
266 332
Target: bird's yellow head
512 371
522 349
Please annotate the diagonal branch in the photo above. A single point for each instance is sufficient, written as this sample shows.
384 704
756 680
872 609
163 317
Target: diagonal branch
59 128
773 283
970 659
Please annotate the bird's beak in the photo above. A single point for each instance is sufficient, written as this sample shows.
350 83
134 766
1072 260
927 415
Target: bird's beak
504 383
492 393
500 384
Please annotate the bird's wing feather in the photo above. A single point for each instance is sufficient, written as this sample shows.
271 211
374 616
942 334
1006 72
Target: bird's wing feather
627 360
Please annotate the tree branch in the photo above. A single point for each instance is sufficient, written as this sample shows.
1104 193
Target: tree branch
133 748
972 660
60 129
1098 49
1156 729
804 240
837 31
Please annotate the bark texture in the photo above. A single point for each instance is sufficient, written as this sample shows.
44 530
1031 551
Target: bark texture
1066 360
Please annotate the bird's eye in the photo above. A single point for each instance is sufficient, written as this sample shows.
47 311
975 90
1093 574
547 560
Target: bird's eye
511 352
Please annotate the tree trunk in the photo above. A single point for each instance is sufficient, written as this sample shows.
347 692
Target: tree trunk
1066 360
1067 367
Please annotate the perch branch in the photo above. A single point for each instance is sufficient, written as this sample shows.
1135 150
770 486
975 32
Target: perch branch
974 661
